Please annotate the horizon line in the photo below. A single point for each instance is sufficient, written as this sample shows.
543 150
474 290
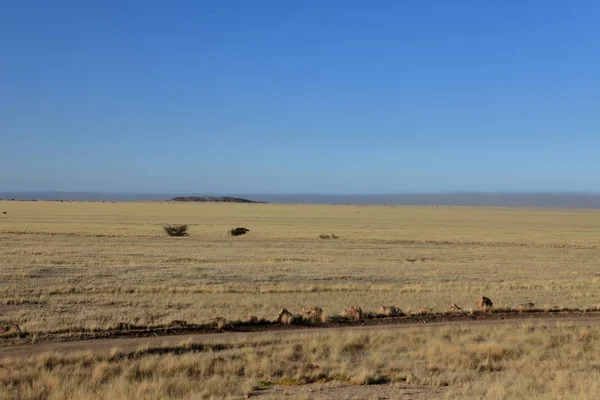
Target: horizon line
229 193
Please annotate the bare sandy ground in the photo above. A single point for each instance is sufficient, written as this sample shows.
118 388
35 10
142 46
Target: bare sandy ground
342 392
132 343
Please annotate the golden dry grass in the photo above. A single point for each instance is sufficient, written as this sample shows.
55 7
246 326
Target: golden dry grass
68 265
65 265
470 362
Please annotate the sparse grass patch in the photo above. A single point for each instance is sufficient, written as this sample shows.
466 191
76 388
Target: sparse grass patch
325 236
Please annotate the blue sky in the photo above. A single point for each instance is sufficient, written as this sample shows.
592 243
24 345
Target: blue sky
300 96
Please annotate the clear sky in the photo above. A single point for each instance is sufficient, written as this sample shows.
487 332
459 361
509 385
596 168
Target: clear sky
300 96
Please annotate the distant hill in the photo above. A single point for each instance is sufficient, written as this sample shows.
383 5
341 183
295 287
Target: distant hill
477 199
220 199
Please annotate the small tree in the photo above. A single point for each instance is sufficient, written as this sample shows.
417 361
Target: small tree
176 230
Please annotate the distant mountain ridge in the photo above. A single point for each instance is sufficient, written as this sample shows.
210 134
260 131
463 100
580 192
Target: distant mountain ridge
214 199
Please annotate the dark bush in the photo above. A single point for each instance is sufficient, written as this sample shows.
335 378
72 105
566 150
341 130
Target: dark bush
238 231
176 230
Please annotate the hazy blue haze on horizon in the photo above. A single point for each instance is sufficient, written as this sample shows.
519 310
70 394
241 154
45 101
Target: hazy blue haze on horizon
347 97
529 200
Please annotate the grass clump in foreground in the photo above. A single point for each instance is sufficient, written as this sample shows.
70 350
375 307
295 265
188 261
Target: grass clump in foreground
470 362
176 230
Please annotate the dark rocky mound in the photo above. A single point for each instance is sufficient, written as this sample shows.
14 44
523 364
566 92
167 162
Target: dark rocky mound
220 199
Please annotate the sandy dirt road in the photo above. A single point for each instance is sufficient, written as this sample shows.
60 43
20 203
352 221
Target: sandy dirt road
129 344
346 392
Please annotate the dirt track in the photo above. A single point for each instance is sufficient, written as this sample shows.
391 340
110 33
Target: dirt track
153 338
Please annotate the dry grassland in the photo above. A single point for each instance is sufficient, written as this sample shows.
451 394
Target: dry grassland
91 265
66 265
530 362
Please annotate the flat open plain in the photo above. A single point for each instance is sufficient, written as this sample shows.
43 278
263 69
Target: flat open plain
73 266
67 265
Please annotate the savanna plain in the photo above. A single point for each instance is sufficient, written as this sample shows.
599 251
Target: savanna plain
88 266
